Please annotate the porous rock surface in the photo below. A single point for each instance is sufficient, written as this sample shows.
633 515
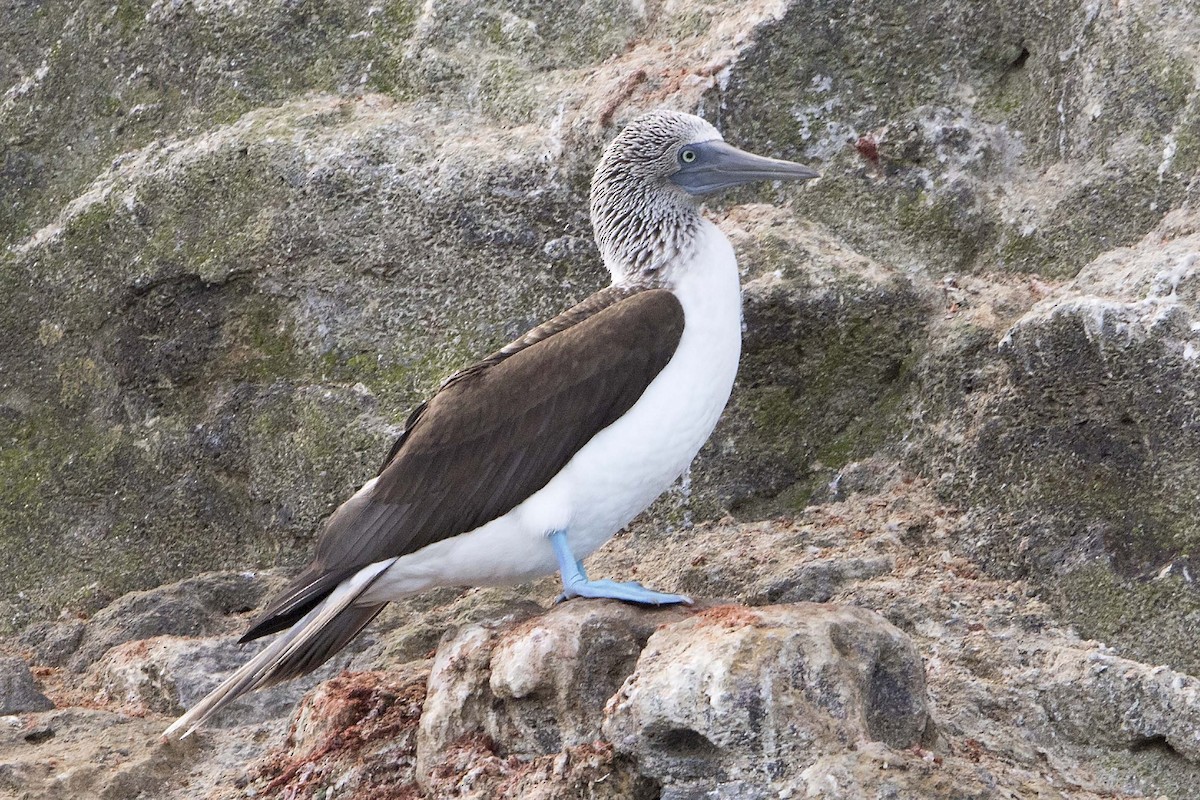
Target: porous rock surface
739 700
894 668
239 241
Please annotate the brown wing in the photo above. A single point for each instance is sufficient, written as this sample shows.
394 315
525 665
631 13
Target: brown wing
493 435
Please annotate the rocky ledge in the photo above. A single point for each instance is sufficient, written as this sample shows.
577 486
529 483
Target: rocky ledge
850 655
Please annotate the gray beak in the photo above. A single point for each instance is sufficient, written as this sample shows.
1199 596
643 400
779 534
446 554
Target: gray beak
713 166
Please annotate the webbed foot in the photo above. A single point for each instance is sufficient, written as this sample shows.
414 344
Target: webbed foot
576 583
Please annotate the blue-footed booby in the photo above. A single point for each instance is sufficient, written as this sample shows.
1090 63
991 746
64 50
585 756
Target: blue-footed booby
528 461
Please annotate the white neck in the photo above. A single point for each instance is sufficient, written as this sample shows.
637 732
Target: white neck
706 282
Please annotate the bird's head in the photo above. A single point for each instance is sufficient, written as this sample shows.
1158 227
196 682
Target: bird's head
651 179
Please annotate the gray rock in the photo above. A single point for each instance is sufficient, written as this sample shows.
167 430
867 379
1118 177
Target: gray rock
569 661
817 582
1078 448
191 607
831 339
53 643
1103 700
973 137
18 692
755 695
166 675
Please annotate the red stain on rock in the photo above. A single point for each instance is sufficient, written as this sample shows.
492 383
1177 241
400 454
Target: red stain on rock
730 616
623 91
868 148
370 719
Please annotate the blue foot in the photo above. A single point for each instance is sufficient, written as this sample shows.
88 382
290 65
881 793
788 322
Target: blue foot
629 592
576 584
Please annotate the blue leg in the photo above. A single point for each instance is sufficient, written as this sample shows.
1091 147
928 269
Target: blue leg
576 584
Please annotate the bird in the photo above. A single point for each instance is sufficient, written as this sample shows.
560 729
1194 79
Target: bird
526 462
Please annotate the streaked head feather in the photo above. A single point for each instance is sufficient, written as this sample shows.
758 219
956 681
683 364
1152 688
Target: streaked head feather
643 221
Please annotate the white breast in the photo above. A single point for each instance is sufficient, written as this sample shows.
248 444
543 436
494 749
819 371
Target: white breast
623 468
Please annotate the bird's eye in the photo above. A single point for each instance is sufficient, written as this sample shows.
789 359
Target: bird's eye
687 156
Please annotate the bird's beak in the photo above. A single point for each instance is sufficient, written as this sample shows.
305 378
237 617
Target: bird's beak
715 166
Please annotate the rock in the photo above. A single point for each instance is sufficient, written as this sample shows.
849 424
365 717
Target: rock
1079 450
168 674
85 753
728 691
1017 704
737 697
53 643
817 582
971 138
474 770
1100 699
191 607
18 692
831 339
362 697
538 687
571 660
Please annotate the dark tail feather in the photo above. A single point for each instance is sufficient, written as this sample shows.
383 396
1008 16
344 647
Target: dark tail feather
307 645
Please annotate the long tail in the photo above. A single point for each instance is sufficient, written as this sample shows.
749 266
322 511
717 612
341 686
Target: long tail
299 650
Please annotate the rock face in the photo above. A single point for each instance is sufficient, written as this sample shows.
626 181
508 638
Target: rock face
1081 450
967 689
738 702
979 137
241 240
190 607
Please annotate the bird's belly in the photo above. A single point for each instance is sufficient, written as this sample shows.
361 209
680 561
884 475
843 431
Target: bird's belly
630 463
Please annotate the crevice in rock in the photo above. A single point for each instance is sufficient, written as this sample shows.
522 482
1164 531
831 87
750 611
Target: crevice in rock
1156 744
685 743
40 734
1019 62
